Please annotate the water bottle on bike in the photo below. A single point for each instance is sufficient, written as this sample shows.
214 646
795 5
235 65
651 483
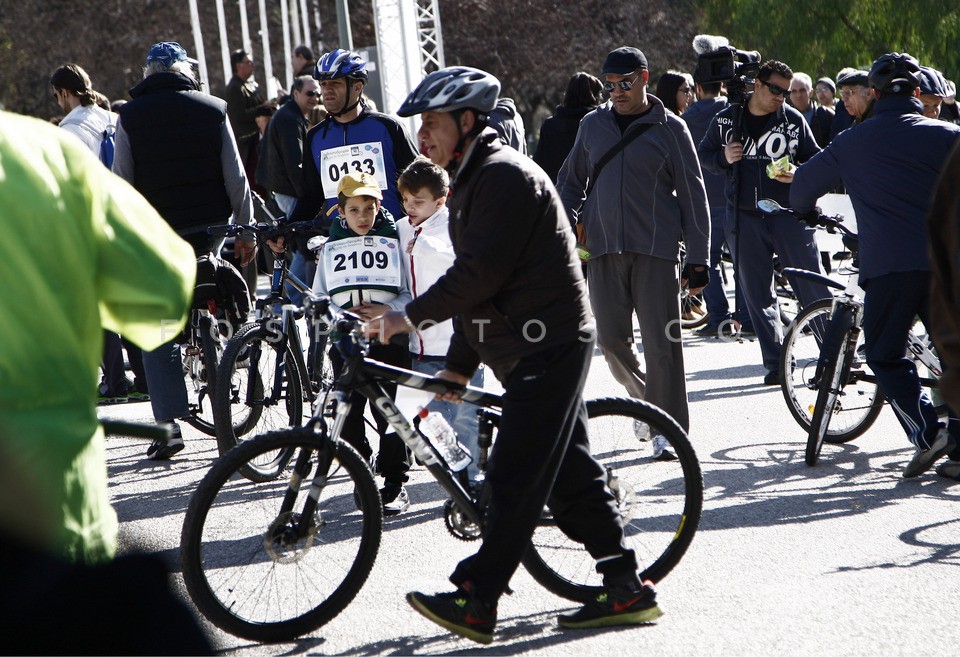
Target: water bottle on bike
442 436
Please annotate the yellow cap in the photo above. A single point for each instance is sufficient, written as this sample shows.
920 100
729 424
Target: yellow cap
359 184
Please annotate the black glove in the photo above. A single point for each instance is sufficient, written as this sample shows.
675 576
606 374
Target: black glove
696 276
812 218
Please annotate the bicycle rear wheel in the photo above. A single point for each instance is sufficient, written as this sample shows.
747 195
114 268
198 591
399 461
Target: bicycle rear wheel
831 366
862 400
200 361
660 500
260 392
248 568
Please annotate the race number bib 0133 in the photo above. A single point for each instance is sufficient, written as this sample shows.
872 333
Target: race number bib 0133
335 163
359 261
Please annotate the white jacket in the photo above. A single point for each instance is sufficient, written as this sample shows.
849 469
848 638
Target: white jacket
88 123
428 260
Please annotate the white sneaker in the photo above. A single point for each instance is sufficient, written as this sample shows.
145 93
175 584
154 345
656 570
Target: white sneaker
641 430
925 458
949 469
660 453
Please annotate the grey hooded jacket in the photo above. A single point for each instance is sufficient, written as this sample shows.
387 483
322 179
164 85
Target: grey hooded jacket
646 199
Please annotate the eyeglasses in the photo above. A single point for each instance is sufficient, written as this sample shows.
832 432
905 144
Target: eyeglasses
847 92
312 93
776 89
686 90
625 85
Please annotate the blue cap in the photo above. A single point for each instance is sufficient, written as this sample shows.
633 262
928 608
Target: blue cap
167 53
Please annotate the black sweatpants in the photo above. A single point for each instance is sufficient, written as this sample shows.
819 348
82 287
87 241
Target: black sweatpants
392 459
542 456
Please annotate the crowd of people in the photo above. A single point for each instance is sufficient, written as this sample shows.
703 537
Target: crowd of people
478 260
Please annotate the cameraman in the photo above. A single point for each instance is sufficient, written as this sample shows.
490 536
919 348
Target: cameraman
770 129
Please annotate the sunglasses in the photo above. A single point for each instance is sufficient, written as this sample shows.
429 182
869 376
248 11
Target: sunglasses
312 93
776 89
625 85
686 90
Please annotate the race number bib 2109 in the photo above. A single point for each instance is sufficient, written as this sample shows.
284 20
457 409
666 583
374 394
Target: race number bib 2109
335 163
358 261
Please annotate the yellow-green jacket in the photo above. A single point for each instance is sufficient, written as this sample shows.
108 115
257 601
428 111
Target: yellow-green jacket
80 250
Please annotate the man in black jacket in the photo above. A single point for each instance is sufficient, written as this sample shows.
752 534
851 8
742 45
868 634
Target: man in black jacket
280 167
519 298
175 146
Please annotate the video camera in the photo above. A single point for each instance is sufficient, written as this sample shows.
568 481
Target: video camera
718 61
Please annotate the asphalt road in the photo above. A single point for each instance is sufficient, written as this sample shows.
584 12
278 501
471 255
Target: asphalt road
846 558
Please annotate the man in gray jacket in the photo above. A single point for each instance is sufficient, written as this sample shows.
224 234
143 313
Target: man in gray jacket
637 209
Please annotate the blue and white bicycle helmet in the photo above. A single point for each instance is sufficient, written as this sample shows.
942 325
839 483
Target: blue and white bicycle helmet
451 89
340 64
895 73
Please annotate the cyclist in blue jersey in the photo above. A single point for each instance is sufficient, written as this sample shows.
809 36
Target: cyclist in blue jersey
352 139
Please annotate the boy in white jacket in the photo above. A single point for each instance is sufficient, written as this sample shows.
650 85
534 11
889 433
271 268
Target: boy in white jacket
425 241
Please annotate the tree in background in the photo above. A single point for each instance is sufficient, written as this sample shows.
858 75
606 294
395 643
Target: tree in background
533 46
822 36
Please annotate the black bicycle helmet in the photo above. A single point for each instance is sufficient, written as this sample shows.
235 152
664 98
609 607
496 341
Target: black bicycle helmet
451 89
895 73
340 63
932 82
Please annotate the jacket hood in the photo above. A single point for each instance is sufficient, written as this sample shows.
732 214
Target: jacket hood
507 106
92 120
167 81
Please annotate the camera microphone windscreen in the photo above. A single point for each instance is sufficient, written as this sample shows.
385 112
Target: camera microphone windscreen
707 43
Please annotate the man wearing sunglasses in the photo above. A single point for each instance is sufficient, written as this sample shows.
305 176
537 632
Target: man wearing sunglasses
279 168
769 129
645 200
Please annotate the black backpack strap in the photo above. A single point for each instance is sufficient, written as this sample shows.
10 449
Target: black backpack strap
612 153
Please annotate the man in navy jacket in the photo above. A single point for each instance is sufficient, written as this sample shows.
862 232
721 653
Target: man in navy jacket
889 166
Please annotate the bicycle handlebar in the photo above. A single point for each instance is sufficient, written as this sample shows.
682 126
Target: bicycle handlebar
268 231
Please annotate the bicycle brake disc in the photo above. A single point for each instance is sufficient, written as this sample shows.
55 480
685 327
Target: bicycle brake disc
281 539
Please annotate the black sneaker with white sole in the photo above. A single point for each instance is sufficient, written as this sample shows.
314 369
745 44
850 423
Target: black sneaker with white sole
162 449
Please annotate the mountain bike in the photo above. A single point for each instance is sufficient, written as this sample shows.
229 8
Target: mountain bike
267 381
844 393
272 560
212 319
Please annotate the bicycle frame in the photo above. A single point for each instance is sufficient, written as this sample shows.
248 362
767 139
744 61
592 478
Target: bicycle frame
362 374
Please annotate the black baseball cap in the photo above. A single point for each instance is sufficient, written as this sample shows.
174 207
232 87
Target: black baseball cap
624 61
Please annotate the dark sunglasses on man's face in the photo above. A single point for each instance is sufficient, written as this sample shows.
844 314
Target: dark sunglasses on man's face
625 85
776 89
312 93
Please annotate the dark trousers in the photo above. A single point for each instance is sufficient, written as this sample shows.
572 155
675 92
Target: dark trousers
760 236
542 456
891 303
392 459
114 376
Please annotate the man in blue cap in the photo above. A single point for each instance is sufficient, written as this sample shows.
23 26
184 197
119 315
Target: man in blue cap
174 144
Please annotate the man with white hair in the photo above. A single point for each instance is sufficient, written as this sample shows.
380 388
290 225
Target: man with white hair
817 117
175 146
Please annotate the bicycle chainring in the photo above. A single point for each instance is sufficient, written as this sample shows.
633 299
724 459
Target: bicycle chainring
459 526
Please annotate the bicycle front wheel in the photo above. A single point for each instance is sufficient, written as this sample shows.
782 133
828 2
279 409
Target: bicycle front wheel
660 499
261 561
831 368
260 391
862 400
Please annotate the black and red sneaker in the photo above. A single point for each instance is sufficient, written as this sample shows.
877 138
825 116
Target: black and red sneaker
460 612
616 606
